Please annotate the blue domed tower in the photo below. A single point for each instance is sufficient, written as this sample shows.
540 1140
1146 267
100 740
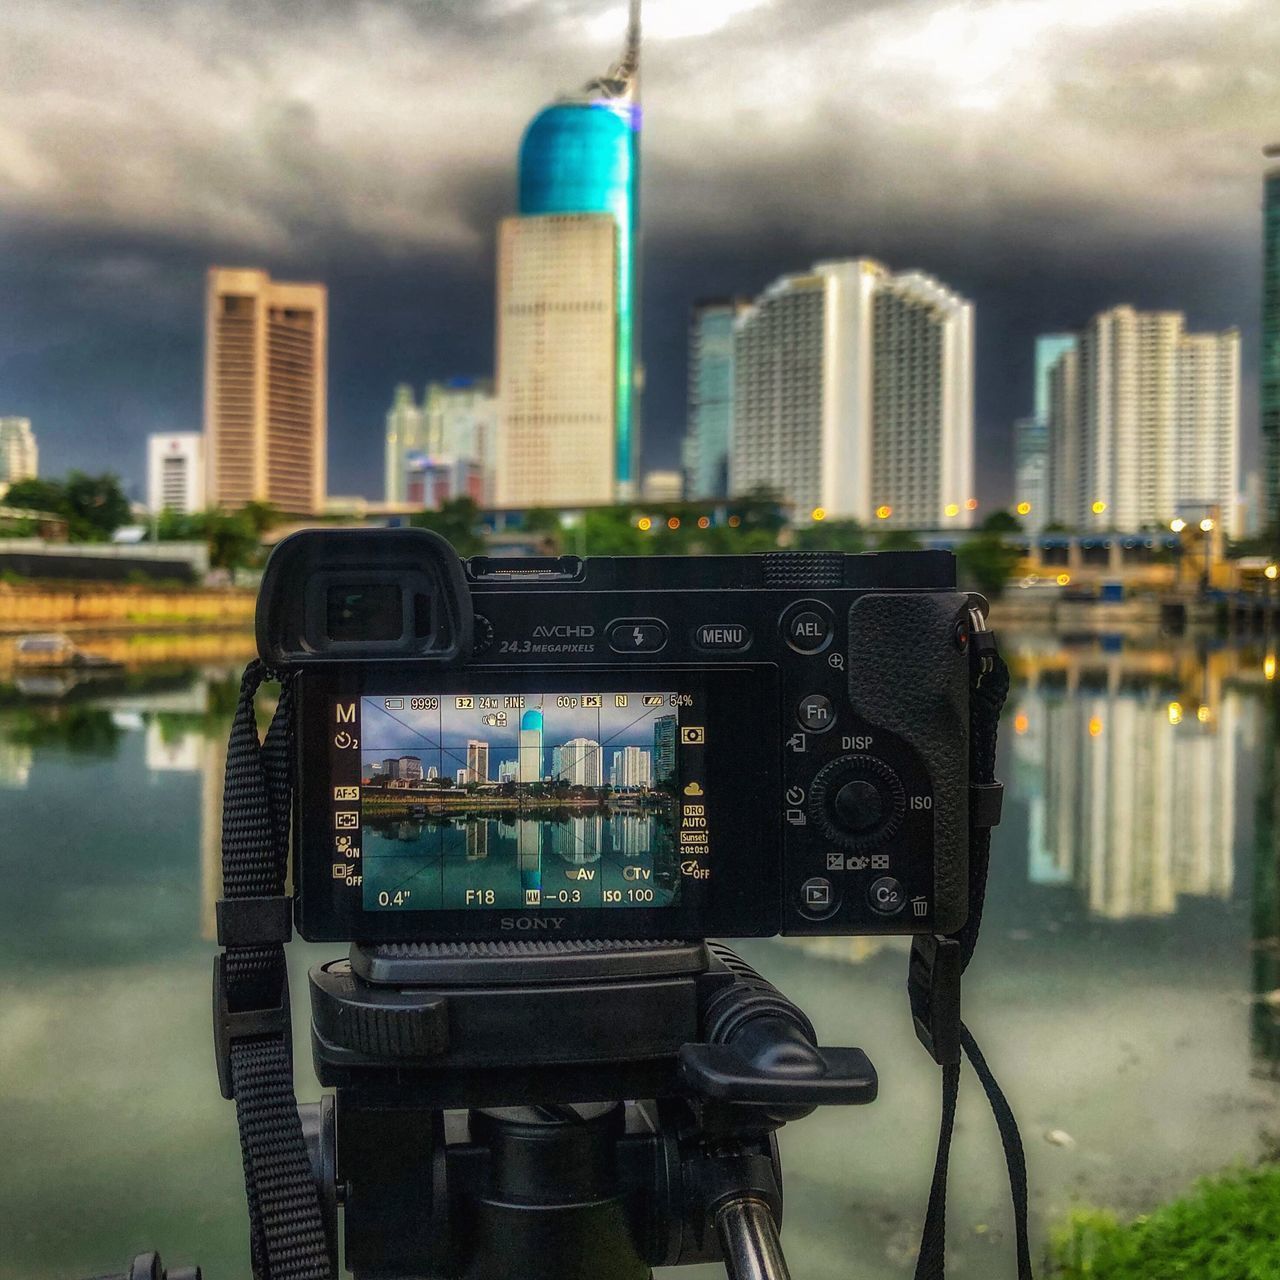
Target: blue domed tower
582 155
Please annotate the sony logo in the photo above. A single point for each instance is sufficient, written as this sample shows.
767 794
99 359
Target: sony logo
563 631
531 922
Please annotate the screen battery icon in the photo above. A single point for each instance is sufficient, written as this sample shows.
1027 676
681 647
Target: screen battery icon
393 704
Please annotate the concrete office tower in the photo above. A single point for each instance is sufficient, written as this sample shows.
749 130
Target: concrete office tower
19 454
710 422
477 761
445 448
529 750
175 472
266 359
1145 423
557 401
410 768
580 156
1270 366
853 393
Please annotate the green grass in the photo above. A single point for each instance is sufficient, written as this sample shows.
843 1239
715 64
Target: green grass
1226 1228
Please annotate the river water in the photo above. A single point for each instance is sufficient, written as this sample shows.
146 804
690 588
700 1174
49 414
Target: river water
1119 991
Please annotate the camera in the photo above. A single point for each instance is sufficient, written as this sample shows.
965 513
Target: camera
630 748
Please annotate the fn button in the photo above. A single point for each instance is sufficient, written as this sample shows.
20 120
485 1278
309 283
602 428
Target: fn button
816 713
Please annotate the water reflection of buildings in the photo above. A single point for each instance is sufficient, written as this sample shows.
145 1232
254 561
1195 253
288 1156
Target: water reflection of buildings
15 765
1129 777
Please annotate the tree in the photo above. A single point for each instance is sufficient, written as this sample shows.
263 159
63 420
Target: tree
987 562
898 540
1002 522
94 507
543 521
233 543
458 520
831 535
262 516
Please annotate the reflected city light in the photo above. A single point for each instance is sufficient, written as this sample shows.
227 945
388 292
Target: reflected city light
1020 723
1206 525
1270 571
971 504
1063 579
1202 714
1177 524
1175 713
734 521
704 522
673 522
644 524
1024 508
952 508
1269 667
1095 726
1098 508
883 512
819 513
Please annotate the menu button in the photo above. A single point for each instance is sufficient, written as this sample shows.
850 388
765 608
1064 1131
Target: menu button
721 637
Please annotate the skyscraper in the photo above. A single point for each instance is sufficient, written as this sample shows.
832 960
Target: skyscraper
1150 427
579 763
175 472
477 761
664 750
1270 368
266 361
530 746
1031 472
710 422
566 275
19 454
853 393
635 767
444 449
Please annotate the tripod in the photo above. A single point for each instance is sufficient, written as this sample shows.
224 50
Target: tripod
559 1110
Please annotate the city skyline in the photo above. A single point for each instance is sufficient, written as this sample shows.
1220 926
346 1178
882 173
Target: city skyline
1035 236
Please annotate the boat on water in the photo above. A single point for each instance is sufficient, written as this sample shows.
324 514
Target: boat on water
53 651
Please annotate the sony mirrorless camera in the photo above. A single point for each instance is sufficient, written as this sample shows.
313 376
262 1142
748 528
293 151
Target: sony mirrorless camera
621 747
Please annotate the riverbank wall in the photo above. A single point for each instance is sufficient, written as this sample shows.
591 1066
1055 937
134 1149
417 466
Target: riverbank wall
94 607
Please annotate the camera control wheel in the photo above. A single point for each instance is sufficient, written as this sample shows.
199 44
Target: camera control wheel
857 801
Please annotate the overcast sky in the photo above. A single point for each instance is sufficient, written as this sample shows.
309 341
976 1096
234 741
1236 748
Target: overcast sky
1045 157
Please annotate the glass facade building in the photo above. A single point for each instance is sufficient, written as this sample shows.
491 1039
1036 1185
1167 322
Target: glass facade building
710 426
1271 345
583 156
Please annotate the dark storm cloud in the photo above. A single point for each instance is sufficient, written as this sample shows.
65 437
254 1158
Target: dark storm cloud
1044 157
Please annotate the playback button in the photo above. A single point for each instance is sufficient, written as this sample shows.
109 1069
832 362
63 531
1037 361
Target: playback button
819 898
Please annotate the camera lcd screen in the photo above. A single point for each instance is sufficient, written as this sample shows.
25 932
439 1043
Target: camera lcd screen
522 799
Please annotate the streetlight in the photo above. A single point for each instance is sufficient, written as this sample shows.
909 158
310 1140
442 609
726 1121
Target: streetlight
1206 525
1177 524
1098 507
1270 572
1023 508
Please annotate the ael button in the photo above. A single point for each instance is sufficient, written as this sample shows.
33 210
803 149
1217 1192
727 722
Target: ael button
637 635
807 626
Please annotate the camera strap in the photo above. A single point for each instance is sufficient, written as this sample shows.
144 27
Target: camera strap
253 1033
937 962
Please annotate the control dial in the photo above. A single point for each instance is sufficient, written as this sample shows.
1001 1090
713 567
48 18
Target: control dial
857 801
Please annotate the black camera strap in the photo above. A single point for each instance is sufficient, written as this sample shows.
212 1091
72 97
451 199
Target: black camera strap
937 962
252 1029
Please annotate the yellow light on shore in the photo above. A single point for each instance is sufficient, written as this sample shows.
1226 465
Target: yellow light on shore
819 513
971 504
1063 579
1269 667
673 522
1177 524
704 522
1270 571
1175 713
1202 714
644 524
883 512
1206 525
734 521
1023 508
1020 723
1098 507
1095 726
952 508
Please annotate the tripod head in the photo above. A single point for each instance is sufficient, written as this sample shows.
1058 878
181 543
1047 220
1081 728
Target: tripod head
549 1109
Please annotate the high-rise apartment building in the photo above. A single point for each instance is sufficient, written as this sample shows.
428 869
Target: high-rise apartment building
1144 423
175 472
1270 368
853 393
579 186
19 454
557 400
266 344
579 762
633 767
444 448
710 422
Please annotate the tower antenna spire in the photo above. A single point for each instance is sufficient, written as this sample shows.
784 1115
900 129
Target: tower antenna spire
622 80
